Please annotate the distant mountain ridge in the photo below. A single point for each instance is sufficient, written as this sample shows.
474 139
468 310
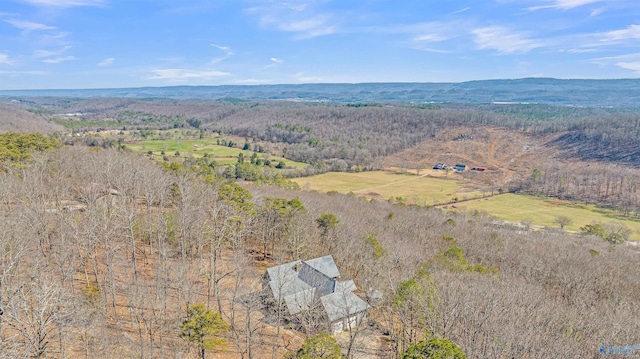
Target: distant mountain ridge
588 93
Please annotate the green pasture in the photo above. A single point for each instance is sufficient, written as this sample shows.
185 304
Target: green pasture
384 185
543 211
197 148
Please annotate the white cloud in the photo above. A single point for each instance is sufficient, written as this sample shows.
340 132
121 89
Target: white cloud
29 26
461 10
633 66
64 3
185 74
309 27
422 36
106 62
432 37
631 32
627 62
274 62
223 48
503 41
429 49
564 4
49 53
57 60
304 18
5 60
226 49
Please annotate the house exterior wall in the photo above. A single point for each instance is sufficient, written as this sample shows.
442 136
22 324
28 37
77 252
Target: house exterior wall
347 323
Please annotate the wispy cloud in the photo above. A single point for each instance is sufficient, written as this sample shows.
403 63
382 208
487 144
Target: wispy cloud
57 60
627 62
564 4
226 49
461 10
303 18
430 49
106 62
5 60
631 32
503 41
28 25
274 62
633 66
64 3
185 74
50 53
223 48
424 35
309 27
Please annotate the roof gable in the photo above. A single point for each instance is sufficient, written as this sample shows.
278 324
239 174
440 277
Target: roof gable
304 284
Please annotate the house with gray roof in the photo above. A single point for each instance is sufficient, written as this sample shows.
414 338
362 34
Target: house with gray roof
302 286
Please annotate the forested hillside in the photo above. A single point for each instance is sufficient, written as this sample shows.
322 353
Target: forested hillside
102 252
353 134
106 252
571 145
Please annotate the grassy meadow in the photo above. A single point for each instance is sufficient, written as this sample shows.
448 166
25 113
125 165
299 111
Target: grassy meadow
543 211
197 148
421 190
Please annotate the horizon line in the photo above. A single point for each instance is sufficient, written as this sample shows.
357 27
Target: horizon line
320 83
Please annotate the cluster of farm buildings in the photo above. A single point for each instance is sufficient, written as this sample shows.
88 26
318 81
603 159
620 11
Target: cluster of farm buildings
458 167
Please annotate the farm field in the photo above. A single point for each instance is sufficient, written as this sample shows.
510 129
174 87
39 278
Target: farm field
197 148
421 190
542 211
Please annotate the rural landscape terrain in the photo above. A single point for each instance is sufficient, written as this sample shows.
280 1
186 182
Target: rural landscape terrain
498 219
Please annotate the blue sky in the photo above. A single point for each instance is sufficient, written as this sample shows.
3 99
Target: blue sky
132 43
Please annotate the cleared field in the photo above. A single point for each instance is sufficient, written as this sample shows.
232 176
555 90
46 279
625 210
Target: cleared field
542 212
197 148
421 190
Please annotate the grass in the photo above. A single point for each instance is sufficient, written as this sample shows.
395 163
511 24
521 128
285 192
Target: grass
197 148
543 211
383 185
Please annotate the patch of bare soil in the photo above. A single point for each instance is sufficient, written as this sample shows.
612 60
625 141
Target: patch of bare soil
505 154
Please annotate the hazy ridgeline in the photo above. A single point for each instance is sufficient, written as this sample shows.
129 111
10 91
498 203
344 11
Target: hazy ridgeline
87 273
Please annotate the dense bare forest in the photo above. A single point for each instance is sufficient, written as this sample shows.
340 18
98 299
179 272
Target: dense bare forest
102 251
576 146
357 133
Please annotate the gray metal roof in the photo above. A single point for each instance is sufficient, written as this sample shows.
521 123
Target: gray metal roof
315 279
325 265
283 280
342 303
297 302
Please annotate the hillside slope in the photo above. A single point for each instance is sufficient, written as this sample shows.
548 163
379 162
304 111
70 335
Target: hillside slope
13 118
506 154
